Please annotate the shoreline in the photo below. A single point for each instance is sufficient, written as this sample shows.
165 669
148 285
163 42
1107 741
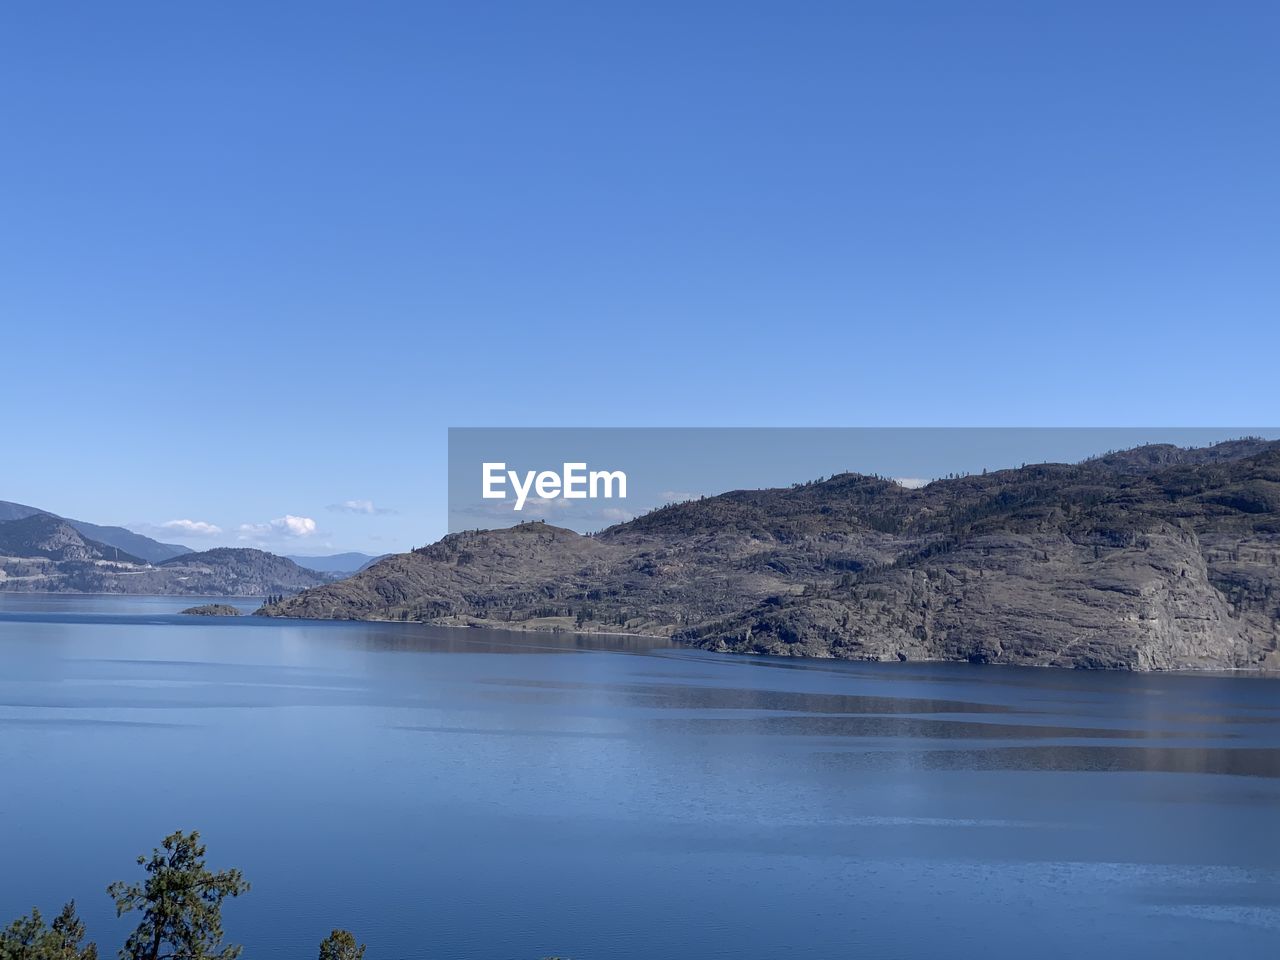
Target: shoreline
1255 672
1263 673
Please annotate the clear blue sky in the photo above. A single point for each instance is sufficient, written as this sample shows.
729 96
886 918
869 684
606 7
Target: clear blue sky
255 258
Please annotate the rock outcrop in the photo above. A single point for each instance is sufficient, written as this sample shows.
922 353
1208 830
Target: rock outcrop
212 610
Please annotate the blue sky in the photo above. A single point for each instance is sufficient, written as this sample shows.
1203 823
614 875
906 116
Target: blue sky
256 258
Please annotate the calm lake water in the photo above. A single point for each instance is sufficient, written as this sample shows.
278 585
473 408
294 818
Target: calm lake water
473 794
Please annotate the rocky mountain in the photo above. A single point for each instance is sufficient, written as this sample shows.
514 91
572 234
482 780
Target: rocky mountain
135 544
1155 558
69 564
240 571
44 535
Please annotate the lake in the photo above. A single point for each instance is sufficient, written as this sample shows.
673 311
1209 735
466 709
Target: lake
478 794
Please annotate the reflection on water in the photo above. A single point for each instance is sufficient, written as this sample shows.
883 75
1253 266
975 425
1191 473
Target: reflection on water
497 795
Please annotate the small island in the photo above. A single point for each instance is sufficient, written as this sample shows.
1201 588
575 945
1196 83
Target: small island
213 610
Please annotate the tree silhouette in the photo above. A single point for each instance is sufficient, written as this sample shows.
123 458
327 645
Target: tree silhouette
181 904
341 945
27 938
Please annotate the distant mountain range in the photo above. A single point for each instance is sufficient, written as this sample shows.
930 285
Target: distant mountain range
42 552
50 537
344 563
132 543
154 551
70 564
1154 558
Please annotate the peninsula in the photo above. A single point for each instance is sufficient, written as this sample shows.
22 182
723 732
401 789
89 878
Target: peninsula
1154 558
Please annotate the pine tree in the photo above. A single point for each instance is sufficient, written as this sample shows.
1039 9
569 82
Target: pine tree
27 938
341 945
181 904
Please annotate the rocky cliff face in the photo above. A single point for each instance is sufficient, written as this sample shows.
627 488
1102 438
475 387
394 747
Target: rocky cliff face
1157 558
1040 599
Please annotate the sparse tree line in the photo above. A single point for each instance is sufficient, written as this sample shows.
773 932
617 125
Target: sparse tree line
180 908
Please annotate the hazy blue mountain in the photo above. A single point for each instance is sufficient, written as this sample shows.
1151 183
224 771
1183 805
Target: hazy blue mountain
44 554
334 562
16 511
52 538
153 551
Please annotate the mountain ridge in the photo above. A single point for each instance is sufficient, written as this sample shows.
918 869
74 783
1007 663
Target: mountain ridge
45 554
50 537
1156 558
127 540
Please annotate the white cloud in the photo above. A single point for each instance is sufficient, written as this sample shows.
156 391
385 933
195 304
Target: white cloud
358 506
911 483
286 526
192 528
616 514
295 526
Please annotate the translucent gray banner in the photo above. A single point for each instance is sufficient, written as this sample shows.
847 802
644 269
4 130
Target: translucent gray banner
589 478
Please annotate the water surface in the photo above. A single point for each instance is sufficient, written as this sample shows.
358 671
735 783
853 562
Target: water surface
479 794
